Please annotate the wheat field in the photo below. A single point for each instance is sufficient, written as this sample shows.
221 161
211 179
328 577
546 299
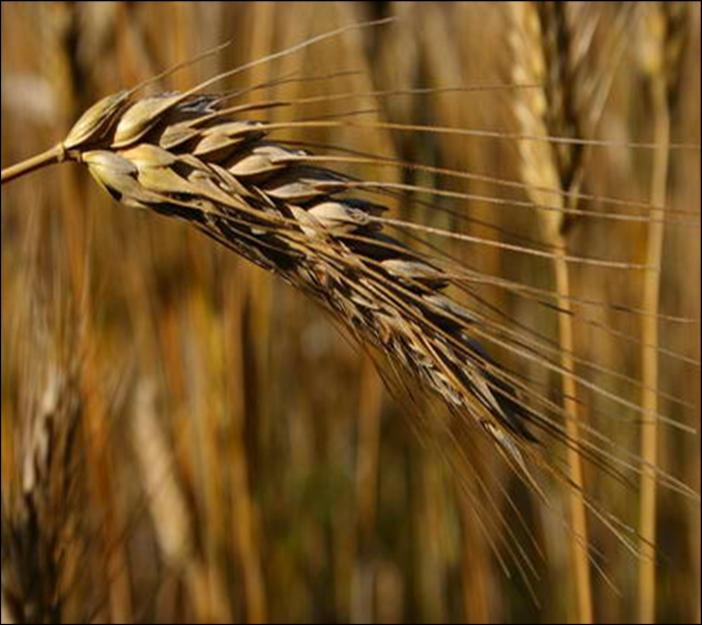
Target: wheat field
461 385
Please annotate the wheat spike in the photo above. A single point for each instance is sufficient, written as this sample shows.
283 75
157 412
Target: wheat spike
543 51
39 523
184 156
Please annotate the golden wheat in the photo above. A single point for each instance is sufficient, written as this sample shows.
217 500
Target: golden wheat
198 157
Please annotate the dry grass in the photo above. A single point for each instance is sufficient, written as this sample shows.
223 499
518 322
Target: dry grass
260 474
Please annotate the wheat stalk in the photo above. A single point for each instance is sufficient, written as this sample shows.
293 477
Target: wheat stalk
661 44
541 43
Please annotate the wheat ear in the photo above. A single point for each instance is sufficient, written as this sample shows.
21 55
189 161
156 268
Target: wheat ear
540 43
39 523
185 156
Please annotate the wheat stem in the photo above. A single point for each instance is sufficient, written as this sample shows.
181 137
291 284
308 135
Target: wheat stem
575 469
542 44
649 398
56 154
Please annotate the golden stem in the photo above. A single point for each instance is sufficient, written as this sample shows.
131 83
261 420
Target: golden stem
649 374
578 517
56 154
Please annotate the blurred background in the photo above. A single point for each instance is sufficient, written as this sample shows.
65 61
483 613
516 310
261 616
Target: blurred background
220 451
